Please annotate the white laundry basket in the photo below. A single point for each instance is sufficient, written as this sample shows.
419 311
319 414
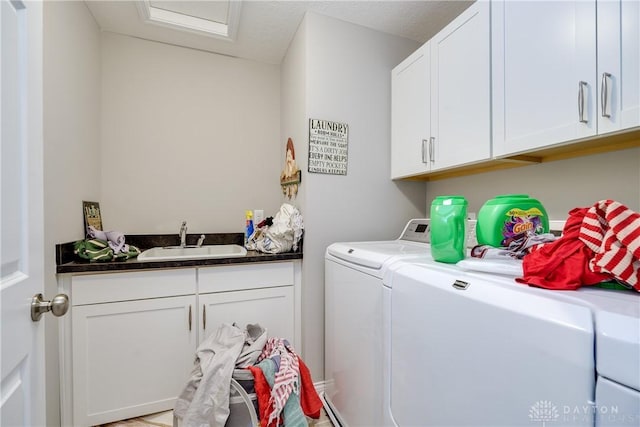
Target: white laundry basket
243 402
243 406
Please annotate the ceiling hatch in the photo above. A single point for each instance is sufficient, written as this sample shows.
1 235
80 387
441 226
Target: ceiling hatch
217 19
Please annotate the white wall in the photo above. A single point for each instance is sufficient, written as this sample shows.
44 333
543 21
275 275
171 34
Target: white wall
560 186
293 104
186 135
71 148
346 70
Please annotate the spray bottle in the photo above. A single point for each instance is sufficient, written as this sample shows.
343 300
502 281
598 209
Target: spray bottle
248 231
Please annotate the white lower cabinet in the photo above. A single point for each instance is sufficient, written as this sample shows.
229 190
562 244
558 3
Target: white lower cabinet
272 308
130 358
249 293
128 344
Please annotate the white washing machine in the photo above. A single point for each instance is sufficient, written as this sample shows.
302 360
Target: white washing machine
353 321
475 349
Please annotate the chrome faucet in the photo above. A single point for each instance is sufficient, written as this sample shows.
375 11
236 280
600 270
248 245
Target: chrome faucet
183 234
200 240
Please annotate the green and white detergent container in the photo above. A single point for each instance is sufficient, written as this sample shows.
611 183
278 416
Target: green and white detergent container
508 218
448 225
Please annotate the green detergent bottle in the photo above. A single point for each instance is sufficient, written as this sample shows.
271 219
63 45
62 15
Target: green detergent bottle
508 218
448 220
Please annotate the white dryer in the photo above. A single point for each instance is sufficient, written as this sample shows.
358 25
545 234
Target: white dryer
353 321
475 349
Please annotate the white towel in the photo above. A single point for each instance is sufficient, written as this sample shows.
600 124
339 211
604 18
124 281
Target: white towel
114 238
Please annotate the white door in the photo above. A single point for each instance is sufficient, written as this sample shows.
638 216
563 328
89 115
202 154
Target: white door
22 255
618 65
461 89
410 115
543 73
133 343
271 308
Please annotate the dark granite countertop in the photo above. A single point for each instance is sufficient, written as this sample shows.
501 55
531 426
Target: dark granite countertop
68 262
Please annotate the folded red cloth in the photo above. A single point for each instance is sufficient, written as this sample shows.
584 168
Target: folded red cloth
309 399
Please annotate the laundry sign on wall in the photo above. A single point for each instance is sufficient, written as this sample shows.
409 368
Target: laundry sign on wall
328 147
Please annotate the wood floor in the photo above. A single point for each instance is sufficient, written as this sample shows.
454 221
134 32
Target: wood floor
165 419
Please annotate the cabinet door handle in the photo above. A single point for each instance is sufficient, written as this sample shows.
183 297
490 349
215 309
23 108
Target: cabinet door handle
604 94
190 317
424 141
432 149
204 317
581 102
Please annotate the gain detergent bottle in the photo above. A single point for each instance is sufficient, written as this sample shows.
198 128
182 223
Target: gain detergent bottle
508 218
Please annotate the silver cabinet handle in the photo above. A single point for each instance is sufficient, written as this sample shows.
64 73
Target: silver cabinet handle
432 149
604 94
424 141
204 316
190 317
581 102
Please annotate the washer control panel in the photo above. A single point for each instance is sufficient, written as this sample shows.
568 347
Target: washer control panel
417 230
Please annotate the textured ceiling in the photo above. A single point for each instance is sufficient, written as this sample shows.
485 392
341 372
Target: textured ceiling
267 27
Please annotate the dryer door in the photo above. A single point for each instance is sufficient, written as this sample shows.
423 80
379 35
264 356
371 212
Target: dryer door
617 404
490 354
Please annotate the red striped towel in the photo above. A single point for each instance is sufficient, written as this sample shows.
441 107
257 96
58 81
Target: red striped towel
612 232
286 379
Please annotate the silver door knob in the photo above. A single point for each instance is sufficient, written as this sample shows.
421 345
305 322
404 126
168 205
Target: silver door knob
58 306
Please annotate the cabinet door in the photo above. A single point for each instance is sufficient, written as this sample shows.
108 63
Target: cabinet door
543 73
272 308
461 89
131 358
618 65
410 115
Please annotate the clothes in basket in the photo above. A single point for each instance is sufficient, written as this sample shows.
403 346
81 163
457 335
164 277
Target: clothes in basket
226 388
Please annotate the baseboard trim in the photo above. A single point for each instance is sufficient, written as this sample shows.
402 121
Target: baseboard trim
319 386
329 410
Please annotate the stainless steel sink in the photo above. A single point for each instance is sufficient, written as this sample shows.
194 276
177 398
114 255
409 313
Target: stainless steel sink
176 253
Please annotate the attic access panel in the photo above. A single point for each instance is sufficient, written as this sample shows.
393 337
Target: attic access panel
217 19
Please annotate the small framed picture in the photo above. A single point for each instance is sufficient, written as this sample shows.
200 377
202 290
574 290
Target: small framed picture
92 216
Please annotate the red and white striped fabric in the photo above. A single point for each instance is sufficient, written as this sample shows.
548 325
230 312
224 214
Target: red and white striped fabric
286 379
612 231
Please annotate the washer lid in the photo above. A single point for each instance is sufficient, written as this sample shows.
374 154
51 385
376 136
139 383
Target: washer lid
374 254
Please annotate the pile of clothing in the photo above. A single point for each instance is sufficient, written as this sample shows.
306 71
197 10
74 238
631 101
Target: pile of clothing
278 234
104 246
599 245
284 388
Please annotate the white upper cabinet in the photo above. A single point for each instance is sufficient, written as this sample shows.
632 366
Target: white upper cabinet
516 77
618 65
441 99
460 89
563 71
411 114
544 73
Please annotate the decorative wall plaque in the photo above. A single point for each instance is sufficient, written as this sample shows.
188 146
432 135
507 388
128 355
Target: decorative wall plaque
92 216
291 176
328 147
